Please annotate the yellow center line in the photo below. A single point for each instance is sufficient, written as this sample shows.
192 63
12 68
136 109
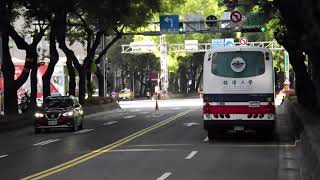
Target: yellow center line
102 150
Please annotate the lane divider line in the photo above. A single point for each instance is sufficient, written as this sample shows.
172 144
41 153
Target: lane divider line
206 139
83 131
102 150
191 155
129 117
46 142
3 156
110 123
164 176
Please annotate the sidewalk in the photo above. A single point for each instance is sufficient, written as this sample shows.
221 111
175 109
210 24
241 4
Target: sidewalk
19 121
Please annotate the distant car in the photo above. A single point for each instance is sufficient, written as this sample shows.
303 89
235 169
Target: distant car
59 112
125 94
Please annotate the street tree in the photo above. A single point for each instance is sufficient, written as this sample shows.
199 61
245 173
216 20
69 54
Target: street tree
10 11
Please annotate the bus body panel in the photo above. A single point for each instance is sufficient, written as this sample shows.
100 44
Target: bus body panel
230 100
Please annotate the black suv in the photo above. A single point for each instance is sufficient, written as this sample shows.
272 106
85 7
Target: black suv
59 112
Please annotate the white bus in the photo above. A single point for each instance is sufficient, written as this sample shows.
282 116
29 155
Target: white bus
238 90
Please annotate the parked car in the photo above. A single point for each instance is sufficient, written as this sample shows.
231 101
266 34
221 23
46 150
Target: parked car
125 94
59 112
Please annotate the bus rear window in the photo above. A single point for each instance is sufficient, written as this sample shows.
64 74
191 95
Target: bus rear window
238 64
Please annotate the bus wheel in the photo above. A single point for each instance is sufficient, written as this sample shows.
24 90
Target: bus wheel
212 134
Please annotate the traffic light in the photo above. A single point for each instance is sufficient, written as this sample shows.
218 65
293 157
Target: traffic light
254 29
211 18
180 28
263 29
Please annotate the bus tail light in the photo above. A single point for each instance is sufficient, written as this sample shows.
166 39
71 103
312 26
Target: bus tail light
221 116
227 115
261 115
255 115
216 116
249 115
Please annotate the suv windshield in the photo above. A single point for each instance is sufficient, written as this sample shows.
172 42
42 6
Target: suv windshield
238 64
57 103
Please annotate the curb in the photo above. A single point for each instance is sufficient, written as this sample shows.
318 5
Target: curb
306 124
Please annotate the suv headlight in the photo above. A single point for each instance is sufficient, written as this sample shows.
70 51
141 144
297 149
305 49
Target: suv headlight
38 115
69 113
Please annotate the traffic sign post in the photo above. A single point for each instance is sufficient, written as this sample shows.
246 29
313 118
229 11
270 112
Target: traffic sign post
236 16
286 69
216 43
243 41
229 42
169 23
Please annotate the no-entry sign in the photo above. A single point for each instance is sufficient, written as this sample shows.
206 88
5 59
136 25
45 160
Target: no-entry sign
243 41
235 16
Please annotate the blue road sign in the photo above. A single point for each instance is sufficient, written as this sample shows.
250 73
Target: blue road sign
216 43
229 42
170 22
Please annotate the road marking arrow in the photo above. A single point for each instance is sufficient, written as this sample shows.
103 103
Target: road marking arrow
191 124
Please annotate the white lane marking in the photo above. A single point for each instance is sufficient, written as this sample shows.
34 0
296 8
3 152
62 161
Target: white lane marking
164 176
83 131
46 142
176 108
191 124
144 112
206 139
193 153
129 117
110 122
3 156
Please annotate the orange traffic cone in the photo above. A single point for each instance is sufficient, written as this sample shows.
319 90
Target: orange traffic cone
157 107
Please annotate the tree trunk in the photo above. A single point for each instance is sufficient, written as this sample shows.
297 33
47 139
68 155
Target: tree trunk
100 82
304 87
183 81
122 79
54 57
10 93
82 85
89 84
34 89
141 82
199 79
72 78
314 57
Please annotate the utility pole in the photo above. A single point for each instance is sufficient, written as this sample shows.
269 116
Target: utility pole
164 79
103 67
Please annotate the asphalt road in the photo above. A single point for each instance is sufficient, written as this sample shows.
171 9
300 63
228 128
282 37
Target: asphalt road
139 143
